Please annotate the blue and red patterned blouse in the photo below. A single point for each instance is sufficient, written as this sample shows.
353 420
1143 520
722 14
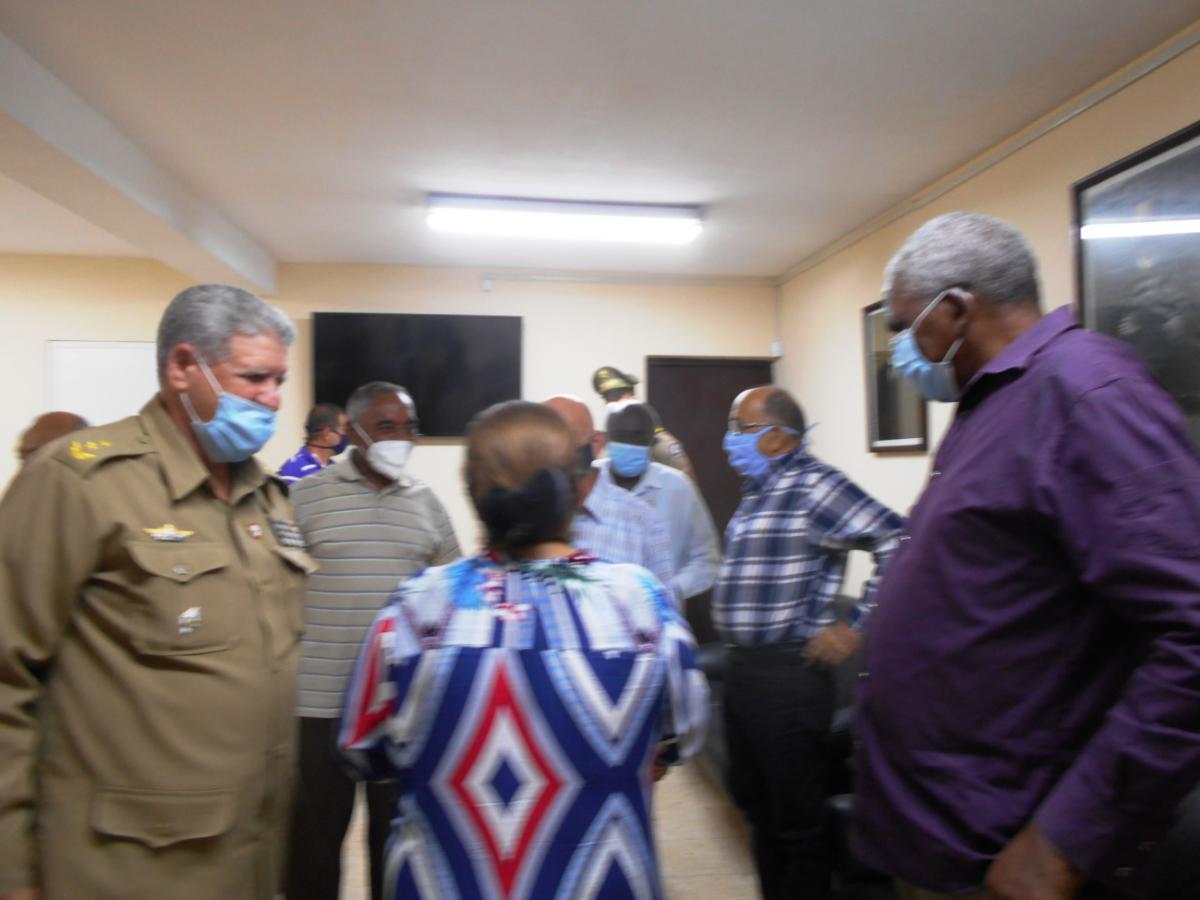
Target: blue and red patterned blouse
521 705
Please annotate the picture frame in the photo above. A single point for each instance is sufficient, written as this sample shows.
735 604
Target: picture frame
1137 255
897 419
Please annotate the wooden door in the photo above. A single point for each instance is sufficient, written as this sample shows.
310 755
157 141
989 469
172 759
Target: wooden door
693 396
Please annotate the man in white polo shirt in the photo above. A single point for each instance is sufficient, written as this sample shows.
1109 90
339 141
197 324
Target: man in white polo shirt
368 525
695 554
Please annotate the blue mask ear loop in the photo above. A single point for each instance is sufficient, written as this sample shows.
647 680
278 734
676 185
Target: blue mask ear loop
212 382
806 438
803 435
912 329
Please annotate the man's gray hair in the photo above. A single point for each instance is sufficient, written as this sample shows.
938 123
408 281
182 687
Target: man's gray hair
781 408
208 315
961 249
362 397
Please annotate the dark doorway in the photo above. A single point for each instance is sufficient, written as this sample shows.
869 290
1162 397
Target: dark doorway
693 395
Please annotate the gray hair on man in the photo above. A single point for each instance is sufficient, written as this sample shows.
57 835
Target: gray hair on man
984 255
362 397
781 407
208 315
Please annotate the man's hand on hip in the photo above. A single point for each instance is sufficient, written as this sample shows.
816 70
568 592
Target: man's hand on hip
1031 868
833 645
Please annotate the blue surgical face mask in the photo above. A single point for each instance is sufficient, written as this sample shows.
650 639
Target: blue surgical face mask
744 456
237 430
935 380
628 460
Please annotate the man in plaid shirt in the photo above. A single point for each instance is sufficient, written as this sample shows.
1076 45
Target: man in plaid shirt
785 559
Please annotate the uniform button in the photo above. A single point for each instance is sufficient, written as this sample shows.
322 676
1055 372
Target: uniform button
864 674
180 570
1123 872
905 537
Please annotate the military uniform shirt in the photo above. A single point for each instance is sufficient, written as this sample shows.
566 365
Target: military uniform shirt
668 451
149 643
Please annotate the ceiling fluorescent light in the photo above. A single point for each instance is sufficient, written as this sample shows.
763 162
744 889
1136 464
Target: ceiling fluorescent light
564 220
1150 228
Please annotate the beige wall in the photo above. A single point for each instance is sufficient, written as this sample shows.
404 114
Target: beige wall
820 316
569 330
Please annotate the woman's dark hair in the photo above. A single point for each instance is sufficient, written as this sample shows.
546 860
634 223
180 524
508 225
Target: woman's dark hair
520 473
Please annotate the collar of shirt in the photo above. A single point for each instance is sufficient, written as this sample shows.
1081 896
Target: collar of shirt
346 470
182 466
650 481
794 459
1017 355
307 456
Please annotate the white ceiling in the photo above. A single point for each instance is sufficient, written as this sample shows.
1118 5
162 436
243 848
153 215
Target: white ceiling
317 127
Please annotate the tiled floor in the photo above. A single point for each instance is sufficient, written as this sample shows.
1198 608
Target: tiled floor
702 843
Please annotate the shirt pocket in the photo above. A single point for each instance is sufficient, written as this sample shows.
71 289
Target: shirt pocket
182 603
162 818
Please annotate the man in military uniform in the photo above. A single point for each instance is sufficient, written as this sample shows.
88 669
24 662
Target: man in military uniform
151 592
616 387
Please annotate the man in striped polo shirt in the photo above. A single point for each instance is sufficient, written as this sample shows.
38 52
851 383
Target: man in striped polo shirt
368 524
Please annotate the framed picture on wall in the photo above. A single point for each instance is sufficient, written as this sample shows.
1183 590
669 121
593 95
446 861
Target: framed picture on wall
1137 252
896 419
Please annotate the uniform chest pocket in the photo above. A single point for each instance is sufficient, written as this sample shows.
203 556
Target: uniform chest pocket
181 604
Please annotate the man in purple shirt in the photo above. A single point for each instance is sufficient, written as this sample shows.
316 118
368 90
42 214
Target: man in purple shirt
325 436
1030 711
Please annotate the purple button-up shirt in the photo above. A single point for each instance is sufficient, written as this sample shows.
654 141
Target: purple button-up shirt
1035 653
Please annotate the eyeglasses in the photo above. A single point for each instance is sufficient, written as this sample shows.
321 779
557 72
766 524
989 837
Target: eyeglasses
736 427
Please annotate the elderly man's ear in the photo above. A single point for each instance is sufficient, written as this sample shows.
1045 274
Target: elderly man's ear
180 358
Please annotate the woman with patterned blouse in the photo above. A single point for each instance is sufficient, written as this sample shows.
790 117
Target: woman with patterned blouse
524 697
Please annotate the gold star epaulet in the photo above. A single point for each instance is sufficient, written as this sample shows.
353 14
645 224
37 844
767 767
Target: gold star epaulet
84 451
89 449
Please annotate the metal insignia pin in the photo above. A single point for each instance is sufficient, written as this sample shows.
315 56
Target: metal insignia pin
168 533
190 619
255 530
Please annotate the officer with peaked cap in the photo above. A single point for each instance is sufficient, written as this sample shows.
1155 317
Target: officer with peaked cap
616 387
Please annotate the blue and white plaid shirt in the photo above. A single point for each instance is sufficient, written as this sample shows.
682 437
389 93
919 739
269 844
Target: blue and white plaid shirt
617 526
786 549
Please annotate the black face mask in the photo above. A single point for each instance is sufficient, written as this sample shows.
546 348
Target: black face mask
335 449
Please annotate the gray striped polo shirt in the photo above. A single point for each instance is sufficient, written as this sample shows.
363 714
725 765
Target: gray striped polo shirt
365 542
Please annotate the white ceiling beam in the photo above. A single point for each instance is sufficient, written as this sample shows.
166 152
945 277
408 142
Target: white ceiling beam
55 144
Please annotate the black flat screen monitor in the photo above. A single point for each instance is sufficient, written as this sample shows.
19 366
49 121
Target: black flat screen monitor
453 366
